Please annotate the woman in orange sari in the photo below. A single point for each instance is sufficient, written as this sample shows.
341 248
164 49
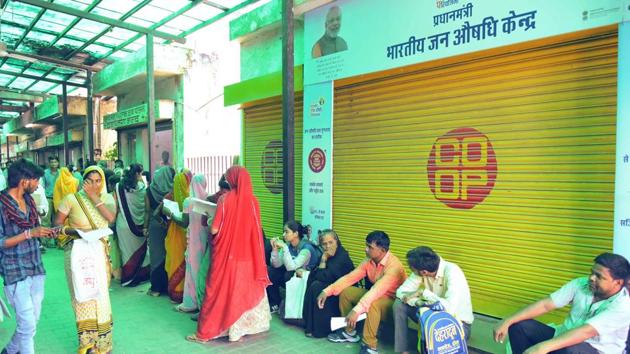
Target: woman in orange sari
175 242
235 302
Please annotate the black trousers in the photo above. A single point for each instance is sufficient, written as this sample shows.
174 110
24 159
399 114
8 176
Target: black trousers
278 278
528 333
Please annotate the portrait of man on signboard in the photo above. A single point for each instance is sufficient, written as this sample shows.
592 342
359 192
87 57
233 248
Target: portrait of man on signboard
330 42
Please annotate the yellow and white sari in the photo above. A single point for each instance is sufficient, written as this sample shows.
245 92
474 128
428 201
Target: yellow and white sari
93 317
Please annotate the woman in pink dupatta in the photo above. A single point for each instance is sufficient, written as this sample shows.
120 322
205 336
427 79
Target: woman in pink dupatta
197 240
235 303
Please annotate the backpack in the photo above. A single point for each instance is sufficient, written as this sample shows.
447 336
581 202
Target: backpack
441 333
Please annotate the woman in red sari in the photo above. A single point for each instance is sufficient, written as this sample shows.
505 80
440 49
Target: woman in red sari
235 303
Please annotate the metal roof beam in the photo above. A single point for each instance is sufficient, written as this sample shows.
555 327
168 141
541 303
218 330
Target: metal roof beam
215 5
192 4
34 77
9 108
16 96
218 17
56 62
102 19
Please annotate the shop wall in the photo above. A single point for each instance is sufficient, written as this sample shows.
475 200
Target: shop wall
263 158
261 52
502 161
210 128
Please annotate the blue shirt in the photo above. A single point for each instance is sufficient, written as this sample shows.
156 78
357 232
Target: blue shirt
23 260
49 181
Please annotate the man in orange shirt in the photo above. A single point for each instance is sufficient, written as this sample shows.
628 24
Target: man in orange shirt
386 273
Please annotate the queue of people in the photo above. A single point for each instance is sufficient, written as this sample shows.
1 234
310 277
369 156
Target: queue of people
224 271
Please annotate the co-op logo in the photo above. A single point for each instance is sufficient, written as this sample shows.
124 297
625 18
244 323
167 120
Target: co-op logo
271 166
462 168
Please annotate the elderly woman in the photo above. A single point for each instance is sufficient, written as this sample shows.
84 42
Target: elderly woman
89 209
334 264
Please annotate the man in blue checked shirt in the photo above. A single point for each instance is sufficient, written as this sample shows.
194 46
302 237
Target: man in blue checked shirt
21 264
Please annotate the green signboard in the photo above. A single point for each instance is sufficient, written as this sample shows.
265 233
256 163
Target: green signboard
46 109
136 115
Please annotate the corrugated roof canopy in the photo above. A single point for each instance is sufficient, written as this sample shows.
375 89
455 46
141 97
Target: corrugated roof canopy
87 32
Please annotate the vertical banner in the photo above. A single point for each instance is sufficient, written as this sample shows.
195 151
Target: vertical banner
317 157
621 243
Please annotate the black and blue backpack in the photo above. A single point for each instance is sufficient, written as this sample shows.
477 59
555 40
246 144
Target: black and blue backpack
440 332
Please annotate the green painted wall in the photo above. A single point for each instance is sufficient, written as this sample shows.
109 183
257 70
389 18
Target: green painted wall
132 65
260 17
260 33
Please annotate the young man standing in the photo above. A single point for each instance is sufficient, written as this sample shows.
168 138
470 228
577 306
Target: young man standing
381 268
50 178
20 259
598 320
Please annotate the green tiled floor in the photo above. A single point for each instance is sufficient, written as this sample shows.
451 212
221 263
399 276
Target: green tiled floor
144 324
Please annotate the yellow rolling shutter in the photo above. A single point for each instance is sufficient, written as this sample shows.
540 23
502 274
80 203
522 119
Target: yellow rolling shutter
548 108
263 158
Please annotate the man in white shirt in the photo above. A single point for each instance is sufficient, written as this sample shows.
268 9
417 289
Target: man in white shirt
597 323
432 279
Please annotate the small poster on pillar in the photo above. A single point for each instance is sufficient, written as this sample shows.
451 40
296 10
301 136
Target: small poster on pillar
317 157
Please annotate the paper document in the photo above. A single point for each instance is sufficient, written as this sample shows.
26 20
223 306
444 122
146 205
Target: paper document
340 322
203 207
94 235
172 206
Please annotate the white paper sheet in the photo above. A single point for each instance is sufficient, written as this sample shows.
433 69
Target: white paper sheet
340 322
203 207
94 235
172 206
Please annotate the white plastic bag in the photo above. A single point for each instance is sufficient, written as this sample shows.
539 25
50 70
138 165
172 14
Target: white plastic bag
87 263
294 301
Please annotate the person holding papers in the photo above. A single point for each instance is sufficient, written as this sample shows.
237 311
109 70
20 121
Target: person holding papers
384 273
175 242
197 234
89 209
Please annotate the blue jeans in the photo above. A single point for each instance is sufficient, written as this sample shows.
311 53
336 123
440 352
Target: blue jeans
26 298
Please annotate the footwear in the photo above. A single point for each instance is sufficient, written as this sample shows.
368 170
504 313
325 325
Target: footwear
195 317
182 309
274 308
310 335
367 350
341 336
195 339
153 293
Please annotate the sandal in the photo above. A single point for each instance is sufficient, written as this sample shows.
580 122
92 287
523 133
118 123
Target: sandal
182 309
195 339
153 293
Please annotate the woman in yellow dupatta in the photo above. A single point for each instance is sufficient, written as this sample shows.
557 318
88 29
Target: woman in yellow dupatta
175 242
89 209
66 184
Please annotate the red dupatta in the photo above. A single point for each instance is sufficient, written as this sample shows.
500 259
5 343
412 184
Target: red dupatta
238 276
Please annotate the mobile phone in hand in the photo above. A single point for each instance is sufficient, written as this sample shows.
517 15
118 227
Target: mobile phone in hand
56 231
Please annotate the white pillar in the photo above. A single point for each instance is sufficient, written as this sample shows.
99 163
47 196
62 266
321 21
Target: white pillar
621 243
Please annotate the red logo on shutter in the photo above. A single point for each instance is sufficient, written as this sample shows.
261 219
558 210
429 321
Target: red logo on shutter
271 166
462 168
